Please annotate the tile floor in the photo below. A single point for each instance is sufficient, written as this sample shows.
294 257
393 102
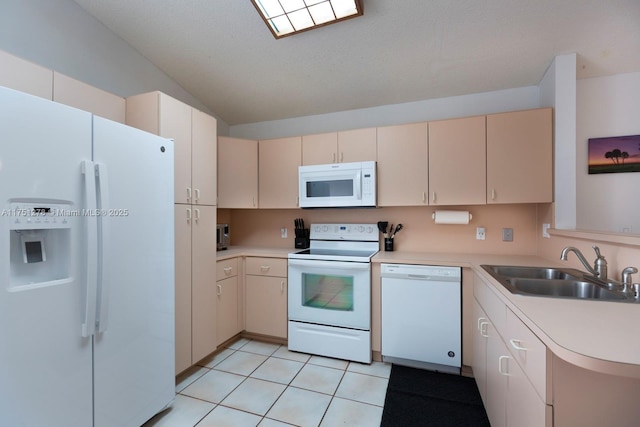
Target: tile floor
252 383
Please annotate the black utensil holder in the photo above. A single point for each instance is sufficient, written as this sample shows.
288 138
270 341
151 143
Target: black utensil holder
388 244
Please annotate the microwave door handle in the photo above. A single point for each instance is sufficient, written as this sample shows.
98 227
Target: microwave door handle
359 185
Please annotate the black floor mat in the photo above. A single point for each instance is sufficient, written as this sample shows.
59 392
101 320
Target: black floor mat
417 397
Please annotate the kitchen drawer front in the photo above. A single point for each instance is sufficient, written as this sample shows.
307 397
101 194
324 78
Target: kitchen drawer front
529 352
492 305
276 267
226 268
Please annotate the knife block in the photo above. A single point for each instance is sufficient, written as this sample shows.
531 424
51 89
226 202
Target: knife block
302 242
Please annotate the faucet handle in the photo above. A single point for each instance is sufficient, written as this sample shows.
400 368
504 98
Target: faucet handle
597 249
626 275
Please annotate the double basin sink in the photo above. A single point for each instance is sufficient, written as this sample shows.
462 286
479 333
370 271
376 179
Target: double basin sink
552 282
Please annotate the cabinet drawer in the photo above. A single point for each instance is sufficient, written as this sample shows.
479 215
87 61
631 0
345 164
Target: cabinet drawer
226 268
529 352
490 302
266 266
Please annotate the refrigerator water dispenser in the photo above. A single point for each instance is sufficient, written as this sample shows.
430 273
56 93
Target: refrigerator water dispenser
40 244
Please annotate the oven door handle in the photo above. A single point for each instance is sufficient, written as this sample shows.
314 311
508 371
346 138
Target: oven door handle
330 264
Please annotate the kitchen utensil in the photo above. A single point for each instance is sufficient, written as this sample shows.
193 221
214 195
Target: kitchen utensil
398 228
390 231
382 226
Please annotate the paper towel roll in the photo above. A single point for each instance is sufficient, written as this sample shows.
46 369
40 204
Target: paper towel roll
451 217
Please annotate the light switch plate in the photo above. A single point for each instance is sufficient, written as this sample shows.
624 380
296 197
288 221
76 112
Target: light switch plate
507 234
283 232
545 230
480 233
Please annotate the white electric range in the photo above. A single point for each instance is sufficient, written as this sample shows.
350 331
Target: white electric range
330 292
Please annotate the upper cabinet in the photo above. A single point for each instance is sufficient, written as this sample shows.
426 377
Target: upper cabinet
25 76
80 95
279 160
402 165
357 145
457 162
19 74
204 157
520 157
194 134
237 173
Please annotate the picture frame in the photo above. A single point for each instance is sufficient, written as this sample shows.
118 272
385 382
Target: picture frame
614 154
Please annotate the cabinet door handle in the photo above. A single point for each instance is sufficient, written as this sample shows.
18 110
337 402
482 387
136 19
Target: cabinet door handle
196 214
433 197
253 201
424 197
333 157
197 193
188 194
227 270
188 214
219 290
483 330
282 286
265 267
341 156
500 359
493 194
480 320
517 344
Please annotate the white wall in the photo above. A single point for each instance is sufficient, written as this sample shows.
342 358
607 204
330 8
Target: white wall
60 35
433 109
558 90
607 106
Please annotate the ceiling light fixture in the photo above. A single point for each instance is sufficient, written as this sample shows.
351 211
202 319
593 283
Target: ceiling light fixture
287 17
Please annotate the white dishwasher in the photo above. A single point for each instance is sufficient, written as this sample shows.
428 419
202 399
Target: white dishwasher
422 316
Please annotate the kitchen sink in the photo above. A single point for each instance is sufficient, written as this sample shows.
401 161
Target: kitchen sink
535 272
563 289
552 282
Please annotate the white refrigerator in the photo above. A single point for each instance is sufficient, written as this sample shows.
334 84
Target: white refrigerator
86 268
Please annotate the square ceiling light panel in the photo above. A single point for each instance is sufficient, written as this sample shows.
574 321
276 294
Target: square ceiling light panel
287 17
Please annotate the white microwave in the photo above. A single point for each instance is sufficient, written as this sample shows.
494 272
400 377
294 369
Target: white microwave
337 185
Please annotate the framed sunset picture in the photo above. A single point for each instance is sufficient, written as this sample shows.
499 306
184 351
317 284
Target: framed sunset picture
614 154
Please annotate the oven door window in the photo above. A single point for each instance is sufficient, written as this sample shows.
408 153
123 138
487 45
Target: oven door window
327 292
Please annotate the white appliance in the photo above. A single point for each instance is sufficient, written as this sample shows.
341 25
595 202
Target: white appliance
86 268
422 316
337 185
329 298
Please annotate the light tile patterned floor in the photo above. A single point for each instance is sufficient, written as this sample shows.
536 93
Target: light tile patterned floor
252 383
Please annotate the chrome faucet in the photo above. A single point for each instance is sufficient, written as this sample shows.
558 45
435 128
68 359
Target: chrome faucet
599 268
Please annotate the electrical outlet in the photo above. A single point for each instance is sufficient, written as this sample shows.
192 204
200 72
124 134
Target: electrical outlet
283 232
507 234
545 230
480 233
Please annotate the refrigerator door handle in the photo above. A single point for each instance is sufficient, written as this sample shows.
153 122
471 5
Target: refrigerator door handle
103 259
91 237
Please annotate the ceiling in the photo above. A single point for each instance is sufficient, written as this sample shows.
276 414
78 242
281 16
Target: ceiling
222 53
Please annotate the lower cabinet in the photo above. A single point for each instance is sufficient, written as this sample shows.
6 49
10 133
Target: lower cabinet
215 309
227 294
266 296
510 364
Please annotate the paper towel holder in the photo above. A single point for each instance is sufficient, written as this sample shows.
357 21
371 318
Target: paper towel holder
433 215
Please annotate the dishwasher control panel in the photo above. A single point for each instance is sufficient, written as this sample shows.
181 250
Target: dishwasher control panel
426 272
